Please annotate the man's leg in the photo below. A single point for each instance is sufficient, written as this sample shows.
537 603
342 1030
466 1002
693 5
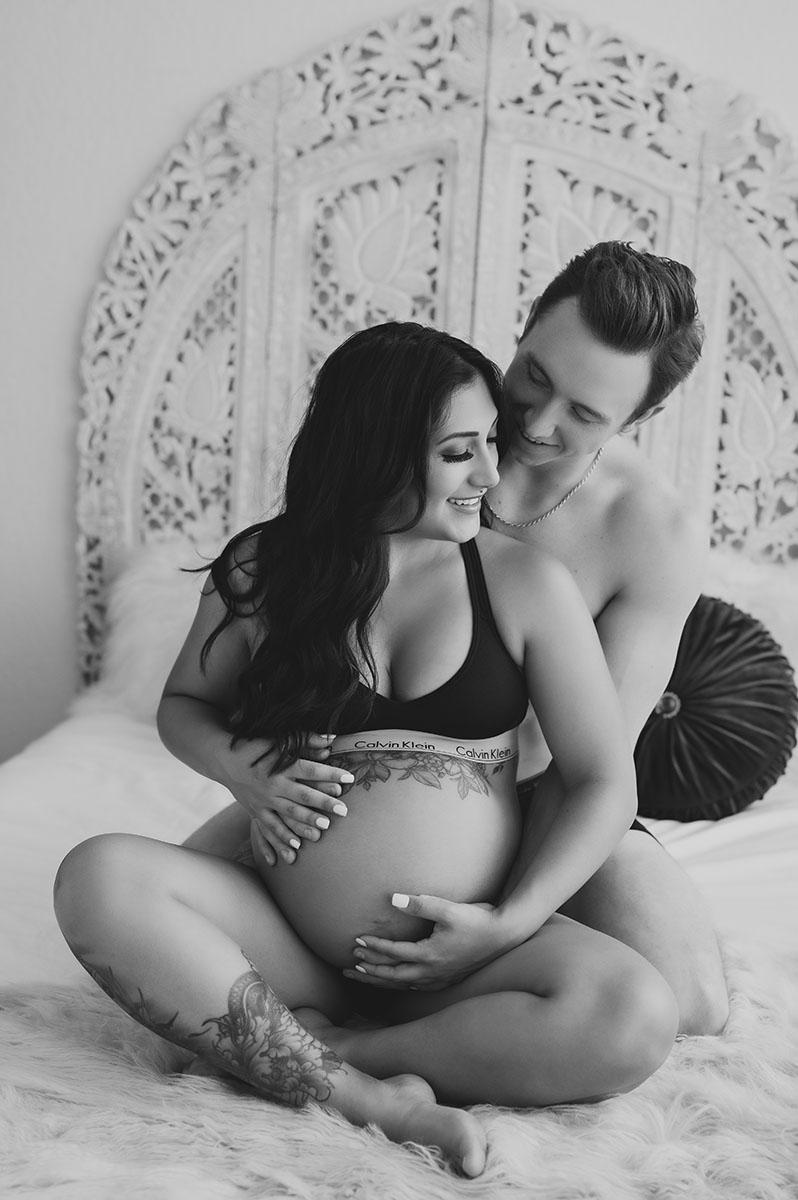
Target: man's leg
644 898
222 834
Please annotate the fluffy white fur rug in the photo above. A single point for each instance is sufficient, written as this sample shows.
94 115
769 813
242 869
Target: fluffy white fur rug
93 1109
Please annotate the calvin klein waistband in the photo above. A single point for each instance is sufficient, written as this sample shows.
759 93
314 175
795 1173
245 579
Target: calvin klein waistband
397 741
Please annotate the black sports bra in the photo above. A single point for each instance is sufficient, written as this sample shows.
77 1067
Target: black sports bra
488 694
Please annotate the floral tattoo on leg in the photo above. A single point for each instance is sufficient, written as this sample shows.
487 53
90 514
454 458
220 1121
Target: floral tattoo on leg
257 1039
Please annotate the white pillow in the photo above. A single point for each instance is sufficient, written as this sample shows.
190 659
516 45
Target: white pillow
151 605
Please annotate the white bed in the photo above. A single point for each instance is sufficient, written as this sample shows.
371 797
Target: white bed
439 166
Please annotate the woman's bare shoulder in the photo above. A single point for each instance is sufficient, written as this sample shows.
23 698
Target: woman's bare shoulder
516 571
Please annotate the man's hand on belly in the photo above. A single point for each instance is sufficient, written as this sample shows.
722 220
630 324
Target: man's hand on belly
464 937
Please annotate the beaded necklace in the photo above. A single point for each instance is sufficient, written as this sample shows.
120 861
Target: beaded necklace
555 507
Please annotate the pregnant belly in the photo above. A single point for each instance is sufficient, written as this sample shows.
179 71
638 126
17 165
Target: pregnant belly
417 823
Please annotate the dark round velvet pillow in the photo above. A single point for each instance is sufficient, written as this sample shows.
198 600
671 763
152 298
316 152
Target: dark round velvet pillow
724 729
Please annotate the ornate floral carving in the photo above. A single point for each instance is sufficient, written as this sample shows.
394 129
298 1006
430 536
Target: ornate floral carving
549 135
376 254
555 66
206 170
420 65
562 216
187 454
758 172
756 483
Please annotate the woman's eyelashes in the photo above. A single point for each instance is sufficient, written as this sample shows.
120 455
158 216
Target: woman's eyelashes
464 457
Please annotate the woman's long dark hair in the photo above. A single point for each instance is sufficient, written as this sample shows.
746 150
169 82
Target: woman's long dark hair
314 575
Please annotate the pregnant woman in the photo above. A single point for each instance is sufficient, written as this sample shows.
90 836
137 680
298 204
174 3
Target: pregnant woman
376 608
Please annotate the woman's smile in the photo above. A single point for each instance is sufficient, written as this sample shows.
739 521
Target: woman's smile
469 503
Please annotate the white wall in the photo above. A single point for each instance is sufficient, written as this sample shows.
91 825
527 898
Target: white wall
93 93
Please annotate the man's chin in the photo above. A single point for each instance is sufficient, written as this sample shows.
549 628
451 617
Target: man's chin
531 453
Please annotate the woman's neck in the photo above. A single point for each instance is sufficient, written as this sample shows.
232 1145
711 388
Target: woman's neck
409 554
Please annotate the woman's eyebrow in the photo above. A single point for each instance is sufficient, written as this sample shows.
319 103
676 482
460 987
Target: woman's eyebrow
450 437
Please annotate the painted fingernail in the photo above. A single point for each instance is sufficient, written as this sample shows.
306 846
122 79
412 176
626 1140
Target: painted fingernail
347 777
329 736
295 842
361 968
341 809
400 900
360 942
323 822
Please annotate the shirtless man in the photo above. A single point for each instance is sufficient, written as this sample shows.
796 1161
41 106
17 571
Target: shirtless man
610 337
603 346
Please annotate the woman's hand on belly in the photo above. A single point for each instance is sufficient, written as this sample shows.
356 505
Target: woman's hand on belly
464 937
427 825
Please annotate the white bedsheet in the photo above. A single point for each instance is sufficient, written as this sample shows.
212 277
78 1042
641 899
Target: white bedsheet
101 771
94 773
746 865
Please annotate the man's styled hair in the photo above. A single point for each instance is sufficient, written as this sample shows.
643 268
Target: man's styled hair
638 303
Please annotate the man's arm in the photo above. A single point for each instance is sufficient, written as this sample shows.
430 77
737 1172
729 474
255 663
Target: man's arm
641 625
639 628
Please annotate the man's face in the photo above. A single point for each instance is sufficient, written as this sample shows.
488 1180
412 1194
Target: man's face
567 393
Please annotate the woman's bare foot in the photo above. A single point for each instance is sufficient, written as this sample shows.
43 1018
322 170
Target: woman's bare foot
407 1111
404 1106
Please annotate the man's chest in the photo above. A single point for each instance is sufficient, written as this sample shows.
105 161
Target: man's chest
589 552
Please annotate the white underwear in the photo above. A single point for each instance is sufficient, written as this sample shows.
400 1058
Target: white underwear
385 741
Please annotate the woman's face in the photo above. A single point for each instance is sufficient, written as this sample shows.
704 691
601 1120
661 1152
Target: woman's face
462 465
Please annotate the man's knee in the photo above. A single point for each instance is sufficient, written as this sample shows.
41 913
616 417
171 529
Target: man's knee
639 1017
642 897
704 1007
223 834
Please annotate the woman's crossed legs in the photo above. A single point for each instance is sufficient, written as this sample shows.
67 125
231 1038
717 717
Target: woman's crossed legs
193 947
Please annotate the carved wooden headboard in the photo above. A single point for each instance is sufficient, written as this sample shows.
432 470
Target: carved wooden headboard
441 167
